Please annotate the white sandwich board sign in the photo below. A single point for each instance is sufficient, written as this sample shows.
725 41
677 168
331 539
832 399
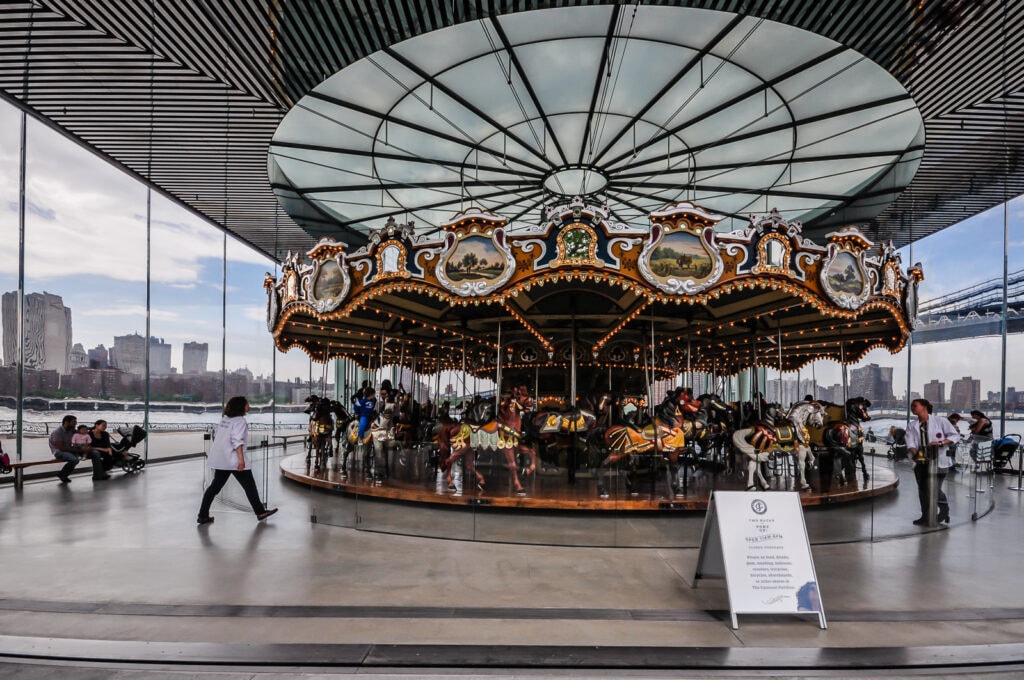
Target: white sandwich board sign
758 543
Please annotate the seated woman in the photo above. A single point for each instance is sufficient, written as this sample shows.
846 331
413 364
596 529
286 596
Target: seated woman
101 442
981 426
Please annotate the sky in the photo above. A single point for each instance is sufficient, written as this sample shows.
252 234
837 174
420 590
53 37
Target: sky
86 241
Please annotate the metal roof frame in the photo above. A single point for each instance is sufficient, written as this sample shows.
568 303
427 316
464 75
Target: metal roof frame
187 95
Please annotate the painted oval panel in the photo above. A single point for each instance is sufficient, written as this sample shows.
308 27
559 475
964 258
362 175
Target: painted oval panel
474 259
844 275
330 283
680 255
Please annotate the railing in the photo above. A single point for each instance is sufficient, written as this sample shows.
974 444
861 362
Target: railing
44 428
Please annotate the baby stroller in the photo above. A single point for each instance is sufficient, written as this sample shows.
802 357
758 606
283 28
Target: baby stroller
897 441
1003 451
122 450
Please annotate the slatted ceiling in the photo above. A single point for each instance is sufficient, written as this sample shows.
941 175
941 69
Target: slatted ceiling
90 68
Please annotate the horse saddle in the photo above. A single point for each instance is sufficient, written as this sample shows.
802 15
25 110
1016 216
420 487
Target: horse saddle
633 440
558 423
489 427
353 436
786 438
487 436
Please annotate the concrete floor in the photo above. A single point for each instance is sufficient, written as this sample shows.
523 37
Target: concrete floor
114 579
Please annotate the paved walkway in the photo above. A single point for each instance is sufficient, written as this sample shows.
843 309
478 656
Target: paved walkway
117 574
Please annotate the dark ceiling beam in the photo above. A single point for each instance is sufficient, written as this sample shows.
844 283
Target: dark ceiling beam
667 87
463 102
517 65
598 77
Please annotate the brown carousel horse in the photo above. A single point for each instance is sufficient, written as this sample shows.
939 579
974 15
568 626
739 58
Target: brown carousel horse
485 431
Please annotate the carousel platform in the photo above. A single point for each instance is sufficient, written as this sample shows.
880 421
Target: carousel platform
413 481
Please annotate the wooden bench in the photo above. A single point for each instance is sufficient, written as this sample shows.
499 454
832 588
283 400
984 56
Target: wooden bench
19 469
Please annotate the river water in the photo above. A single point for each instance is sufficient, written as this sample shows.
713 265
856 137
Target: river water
43 421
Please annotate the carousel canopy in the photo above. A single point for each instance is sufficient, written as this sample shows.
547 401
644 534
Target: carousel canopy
613 103
678 295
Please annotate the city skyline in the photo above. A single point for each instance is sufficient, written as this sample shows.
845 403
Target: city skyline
161 352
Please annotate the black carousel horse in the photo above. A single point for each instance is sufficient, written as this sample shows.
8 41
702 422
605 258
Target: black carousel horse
567 429
407 419
321 431
720 420
631 442
844 441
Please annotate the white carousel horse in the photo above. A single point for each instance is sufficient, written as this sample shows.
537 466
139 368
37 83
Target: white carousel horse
804 415
767 437
755 444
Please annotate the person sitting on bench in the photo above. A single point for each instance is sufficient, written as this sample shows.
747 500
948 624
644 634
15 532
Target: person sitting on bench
63 448
99 440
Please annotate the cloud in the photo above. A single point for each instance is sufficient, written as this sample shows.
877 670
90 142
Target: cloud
137 312
78 204
33 208
255 314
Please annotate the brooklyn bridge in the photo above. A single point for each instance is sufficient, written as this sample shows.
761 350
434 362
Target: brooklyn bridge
973 311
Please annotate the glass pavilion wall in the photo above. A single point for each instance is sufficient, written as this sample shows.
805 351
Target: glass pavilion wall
139 312
134 310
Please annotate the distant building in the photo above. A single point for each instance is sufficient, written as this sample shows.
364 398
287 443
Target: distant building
129 355
47 329
872 382
79 359
935 392
194 356
833 393
159 357
99 357
965 394
806 387
790 391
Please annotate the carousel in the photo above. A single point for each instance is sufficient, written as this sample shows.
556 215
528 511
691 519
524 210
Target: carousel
608 348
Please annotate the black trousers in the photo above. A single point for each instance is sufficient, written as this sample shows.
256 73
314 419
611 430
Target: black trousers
220 478
921 475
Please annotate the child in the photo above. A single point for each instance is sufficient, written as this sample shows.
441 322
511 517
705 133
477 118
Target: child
81 436
364 410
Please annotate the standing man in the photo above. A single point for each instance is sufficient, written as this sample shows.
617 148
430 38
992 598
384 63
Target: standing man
929 438
62 448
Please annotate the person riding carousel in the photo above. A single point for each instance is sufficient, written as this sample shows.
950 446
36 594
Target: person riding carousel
688 406
359 394
386 394
364 409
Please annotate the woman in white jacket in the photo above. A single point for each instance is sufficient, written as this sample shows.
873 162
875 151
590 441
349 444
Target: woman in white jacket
229 457
930 435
